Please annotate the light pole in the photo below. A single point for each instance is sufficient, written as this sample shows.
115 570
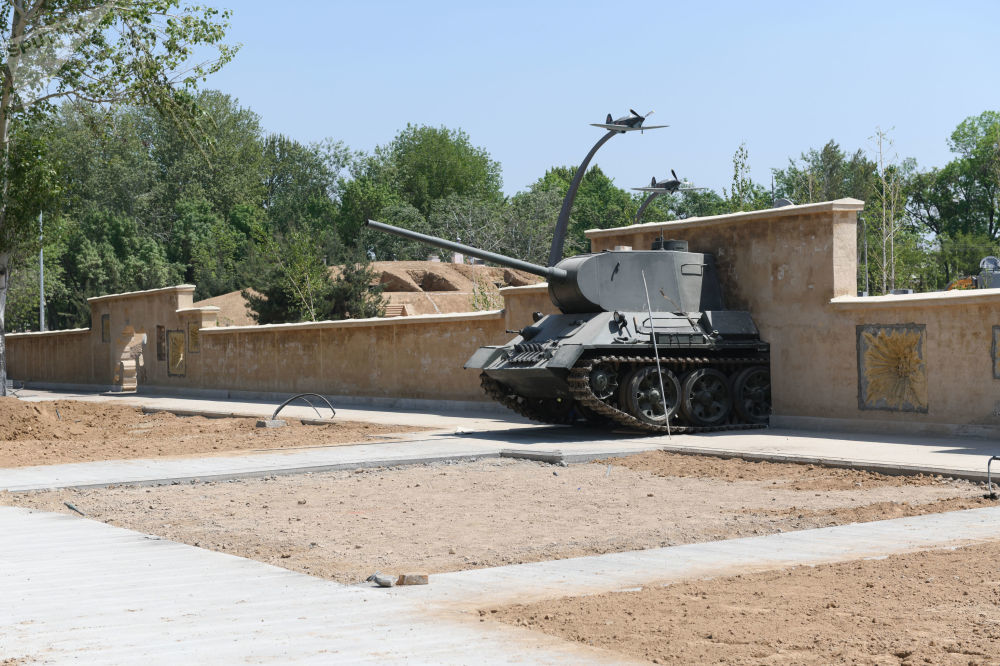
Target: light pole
41 277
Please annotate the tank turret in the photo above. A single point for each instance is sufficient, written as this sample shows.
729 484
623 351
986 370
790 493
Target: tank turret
612 280
643 340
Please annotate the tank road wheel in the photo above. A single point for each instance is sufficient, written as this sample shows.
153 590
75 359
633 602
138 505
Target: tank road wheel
641 397
752 394
603 380
707 399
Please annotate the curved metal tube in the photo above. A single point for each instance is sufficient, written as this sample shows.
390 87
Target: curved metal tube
989 481
559 236
644 204
303 396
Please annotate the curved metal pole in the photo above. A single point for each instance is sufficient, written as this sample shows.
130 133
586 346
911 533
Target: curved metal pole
645 203
302 395
559 237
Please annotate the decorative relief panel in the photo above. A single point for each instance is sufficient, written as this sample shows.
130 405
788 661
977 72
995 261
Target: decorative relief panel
194 337
892 375
995 352
176 355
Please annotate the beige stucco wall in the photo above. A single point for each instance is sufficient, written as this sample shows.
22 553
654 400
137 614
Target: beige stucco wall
402 357
58 356
794 269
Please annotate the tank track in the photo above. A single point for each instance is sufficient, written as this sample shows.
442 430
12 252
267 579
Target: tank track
579 384
542 410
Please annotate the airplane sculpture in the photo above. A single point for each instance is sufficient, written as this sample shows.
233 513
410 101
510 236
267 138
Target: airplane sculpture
627 123
665 186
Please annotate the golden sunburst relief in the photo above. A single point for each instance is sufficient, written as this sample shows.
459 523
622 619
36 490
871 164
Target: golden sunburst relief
893 372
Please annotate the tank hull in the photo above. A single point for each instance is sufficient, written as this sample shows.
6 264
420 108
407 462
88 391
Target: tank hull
603 367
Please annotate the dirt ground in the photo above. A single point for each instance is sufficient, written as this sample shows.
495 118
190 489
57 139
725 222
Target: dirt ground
64 431
446 517
932 607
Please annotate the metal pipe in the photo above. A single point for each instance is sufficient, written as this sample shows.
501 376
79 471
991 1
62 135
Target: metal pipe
989 481
559 236
302 395
550 273
646 203
656 354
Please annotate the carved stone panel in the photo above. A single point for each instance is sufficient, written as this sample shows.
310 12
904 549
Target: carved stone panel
194 336
995 352
892 374
176 354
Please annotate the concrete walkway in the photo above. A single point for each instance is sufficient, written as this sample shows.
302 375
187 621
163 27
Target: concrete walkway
446 415
79 590
466 435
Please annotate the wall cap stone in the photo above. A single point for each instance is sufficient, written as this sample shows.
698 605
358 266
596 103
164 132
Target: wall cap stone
360 323
539 288
40 333
179 288
954 298
203 308
846 204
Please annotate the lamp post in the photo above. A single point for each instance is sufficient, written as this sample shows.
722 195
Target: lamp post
41 277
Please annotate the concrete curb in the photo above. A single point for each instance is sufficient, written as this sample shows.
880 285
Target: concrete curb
889 469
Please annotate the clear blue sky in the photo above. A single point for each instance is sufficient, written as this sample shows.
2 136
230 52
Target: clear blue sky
524 79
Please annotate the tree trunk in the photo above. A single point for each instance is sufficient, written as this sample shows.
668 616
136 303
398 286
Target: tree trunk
6 99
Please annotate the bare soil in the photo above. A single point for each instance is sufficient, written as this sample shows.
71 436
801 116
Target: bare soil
446 517
64 431
934 607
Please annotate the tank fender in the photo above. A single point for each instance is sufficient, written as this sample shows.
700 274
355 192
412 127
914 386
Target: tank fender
565 356
483 357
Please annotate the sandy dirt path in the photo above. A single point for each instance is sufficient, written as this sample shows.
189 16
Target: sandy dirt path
446 517
932 607
67 431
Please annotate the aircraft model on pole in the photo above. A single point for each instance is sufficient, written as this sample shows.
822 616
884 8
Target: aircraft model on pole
627 123
665 186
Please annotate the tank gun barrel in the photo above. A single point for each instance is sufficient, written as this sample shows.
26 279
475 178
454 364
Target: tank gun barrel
551 273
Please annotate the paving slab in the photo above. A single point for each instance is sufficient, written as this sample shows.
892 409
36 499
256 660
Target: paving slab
79 590
76 590
446 415
462 435
440 448
525 583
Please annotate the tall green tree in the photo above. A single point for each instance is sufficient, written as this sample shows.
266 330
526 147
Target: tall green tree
109 53
599 203
423 164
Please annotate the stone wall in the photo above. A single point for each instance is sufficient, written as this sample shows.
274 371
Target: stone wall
418 357
912 363
908 363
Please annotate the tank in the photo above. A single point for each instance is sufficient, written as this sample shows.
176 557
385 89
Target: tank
642 339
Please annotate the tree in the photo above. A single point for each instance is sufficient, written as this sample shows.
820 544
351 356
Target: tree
107 53
599 203
423 164
355 292
521 227
744 194
825 175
